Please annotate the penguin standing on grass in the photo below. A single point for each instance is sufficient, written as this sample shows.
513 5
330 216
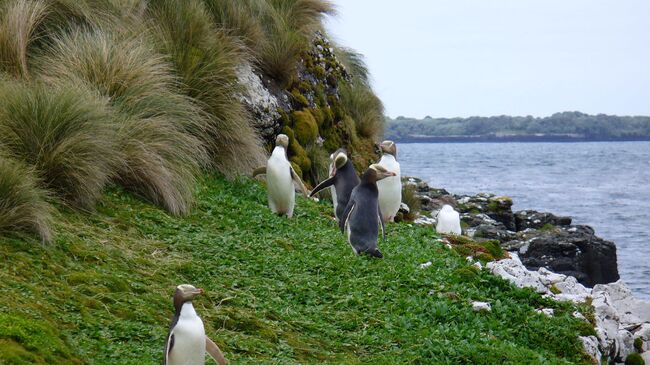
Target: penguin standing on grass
361 218
448 221
280 179
186 341
343 178
390 188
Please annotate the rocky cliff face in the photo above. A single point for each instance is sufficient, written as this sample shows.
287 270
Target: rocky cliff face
542 240
311 110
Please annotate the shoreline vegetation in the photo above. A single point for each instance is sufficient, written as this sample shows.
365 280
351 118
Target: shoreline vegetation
559 127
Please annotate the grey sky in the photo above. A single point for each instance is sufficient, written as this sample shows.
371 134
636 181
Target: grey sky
490 57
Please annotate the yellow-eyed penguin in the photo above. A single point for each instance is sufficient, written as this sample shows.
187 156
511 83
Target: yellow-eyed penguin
361 218
448 220
186 341
280 179
343 178
390 188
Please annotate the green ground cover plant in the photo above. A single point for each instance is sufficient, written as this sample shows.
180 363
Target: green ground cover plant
279 291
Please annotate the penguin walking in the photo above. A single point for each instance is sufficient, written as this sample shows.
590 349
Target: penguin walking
448 220
186 341
361 218
390 188
342 178
280 179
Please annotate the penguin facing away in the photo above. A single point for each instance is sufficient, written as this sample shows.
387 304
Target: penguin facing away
390 188
343 178
448 220
361 218
280 179
186 342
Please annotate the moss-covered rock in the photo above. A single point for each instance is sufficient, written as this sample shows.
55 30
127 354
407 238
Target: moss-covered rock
299 99
634 359
305 127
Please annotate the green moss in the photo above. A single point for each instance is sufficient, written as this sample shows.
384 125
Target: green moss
319 72
319 116
289 132
494 248
634 359
554 289
467 272
485 257
299 99
305 127
638 344
547 227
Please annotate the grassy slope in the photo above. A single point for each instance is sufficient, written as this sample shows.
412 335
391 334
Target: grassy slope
278 291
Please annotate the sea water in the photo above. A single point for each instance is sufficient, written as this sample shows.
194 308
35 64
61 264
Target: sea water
605 185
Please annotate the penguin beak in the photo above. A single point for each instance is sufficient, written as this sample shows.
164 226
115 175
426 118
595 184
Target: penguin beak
199 291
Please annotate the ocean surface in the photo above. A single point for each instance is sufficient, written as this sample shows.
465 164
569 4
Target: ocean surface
602 184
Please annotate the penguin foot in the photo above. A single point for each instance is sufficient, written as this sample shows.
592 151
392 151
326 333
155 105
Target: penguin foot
375 253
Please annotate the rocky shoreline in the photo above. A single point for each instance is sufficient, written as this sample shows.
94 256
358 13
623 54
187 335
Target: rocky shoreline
555 258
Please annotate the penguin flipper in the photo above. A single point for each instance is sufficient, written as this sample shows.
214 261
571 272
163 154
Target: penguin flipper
215 353
259 171
381 222
298 181
346 213
323 184
168 347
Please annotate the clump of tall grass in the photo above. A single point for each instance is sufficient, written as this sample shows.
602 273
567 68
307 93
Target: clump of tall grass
157 124
365 107
19 21
64 133
241 19
290 26
23 204
206 60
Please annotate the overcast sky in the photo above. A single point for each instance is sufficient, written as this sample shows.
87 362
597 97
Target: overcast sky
491 57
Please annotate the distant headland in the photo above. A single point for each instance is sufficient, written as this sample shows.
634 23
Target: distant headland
559 127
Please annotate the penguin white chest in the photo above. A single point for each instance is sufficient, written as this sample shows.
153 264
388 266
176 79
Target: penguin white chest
390 188
279 182
189 339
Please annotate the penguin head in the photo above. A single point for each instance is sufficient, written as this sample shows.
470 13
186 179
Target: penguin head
340 158
282 140
186 292
389 147
378 172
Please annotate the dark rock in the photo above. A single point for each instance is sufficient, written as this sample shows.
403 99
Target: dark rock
498 208
493 232
525 219
569 250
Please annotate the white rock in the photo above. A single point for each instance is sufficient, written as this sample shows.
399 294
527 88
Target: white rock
549 312
481 306
404 207
579 315
425 265
590 344
644 334
478 265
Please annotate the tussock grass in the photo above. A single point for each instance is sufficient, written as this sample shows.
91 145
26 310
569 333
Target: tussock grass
354 63
241 19
19 21
157 124
23 204
289 25
206 59
365 108
65 133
